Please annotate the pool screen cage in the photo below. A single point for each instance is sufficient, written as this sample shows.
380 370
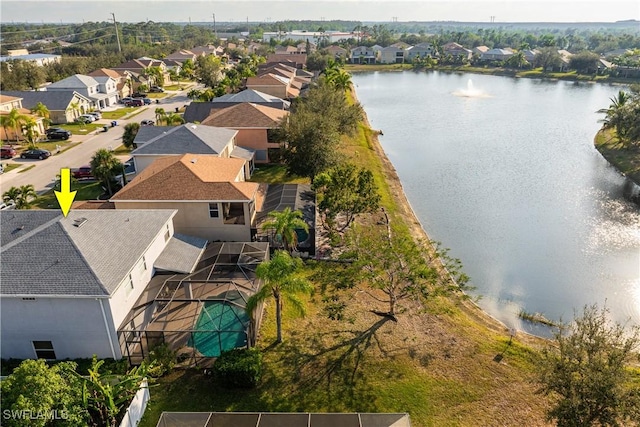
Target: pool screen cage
200 314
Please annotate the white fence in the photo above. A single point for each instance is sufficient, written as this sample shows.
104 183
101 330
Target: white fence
137 406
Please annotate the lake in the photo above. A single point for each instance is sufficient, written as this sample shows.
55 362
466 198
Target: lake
504 173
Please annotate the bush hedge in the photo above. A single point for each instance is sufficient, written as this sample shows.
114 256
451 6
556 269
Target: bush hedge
238 368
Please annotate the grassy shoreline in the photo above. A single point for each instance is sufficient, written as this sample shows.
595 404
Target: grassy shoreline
495 71
625 160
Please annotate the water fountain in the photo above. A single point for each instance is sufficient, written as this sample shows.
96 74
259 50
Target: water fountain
471 91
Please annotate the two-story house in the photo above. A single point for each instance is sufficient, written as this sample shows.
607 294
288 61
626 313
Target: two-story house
68 283
123 79
256 126
213 200
392 55
362 55
421 50
9 103
63 105
102 95
274 85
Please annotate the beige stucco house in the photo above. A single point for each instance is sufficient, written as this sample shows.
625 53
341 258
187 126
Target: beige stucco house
255 125
213 200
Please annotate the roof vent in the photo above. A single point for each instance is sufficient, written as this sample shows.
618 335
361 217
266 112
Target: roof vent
79 222
193 126
194 160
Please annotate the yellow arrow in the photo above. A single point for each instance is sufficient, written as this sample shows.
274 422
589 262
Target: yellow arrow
65 196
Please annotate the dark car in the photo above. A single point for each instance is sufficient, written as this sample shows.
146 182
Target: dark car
138 95
146 101
58 133
156 89
35 154
147 123
83 172
7 152
134 103
125 99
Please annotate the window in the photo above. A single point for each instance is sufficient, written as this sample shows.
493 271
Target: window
28 299
44 350
129 285
167 234
213 210
273 136
142 265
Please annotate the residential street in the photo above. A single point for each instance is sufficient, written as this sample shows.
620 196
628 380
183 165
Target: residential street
43 175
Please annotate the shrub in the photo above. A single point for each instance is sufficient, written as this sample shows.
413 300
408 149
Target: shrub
239 367
162 359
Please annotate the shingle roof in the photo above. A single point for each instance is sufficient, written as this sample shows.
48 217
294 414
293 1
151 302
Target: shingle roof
189 177
198 111
4 98
188 138
250 95
266 80
77 81
106 72
56 100
181 254
44 253
246 115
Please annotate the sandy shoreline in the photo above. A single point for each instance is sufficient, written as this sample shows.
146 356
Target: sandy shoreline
470 308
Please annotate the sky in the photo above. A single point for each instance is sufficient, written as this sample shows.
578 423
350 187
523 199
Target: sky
37 11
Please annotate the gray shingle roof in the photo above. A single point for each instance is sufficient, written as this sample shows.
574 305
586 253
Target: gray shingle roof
188 138
181 254
58 100
198 111
77 81
44 253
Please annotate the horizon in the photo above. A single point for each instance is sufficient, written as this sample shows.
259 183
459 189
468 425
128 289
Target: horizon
268 11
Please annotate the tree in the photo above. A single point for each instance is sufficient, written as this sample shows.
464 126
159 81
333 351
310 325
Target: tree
160 114
347 191
129 135
75 107
22 196
517 60
584 62
35 388
284 225
622 116
105 166
548 58
41 110
280 280
393 264
13 120
173 119
208 70
106 396
29 127
586 374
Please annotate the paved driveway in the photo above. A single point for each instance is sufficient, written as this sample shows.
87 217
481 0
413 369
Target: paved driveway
43 175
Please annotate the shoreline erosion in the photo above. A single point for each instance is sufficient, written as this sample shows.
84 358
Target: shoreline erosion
467 305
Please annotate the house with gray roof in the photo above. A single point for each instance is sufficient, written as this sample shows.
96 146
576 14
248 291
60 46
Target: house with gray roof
68 284
64 105
198 111
421 50
392 55
102 93
155 142
362 55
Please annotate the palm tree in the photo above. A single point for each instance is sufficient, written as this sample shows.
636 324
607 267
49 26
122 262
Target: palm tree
41 110
342 80
75 107
30 133
280 281
160 115
105 166
173 119
129 135
616 117
13 120
284 225
22 196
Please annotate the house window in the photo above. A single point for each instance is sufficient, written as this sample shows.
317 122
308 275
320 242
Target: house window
129 285
272 136
142 267
28 299
44 350
167 234
234 213
213 210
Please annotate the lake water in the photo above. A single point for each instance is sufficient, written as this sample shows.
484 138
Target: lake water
504 173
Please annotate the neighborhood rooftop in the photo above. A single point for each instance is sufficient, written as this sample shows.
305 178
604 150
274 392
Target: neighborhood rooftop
188 138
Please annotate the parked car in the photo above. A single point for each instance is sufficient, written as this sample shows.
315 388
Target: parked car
83 172
125 99
58 133
134 103
138 95
96 114
146 101
156 89
89 117
147 123
7 152
35 154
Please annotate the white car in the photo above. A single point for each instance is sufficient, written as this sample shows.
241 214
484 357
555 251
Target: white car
96 114
88 117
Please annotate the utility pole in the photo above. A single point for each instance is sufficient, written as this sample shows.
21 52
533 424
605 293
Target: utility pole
117 35
214 25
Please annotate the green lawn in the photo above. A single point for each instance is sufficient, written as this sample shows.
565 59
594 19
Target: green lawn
274 174
118 114
86 191
10 166
626 160
80 129
156 95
